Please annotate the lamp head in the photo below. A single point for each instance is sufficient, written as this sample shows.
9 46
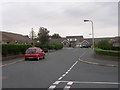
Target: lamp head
86 20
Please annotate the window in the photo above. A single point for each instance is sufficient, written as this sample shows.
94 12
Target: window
31 51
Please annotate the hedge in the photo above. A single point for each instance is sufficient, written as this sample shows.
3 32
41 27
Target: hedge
12 49
107 52
52 46
55 46
104 44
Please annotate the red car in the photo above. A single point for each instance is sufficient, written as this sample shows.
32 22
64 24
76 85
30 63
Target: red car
34 53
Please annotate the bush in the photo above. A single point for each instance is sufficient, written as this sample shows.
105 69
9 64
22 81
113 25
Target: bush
104 44
56 46
12 49
52 46
107 52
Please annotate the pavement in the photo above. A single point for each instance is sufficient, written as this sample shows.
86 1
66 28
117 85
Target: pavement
89 58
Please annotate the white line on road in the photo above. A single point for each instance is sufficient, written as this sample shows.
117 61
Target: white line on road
68 71
115 83
60 78
52 87
69 83
10 63
66 87
57 82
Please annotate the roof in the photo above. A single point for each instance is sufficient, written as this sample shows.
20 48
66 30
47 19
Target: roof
58 40
74 36
13 37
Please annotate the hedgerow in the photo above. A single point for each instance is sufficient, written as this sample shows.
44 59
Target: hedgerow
55 46
52 46
107 52
12 49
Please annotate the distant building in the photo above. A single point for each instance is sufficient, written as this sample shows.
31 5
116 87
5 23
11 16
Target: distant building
64 41
116 42
8 37
74 40
68 41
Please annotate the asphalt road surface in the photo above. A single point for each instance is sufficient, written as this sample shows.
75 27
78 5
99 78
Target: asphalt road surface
60 69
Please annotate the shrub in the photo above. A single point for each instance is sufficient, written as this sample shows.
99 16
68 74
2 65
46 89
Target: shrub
107 52
52 46
8 49
104 44
55 46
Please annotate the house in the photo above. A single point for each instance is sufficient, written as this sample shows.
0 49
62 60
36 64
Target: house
8 37
116 41
84 43
74 40
64 41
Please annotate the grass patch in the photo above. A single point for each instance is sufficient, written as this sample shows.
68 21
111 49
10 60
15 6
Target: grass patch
107 52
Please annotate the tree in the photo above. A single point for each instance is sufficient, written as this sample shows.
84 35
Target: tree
32 35
43 35
55 36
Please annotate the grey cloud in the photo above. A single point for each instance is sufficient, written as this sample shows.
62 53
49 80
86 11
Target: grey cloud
56 15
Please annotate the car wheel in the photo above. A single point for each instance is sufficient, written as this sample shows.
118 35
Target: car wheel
38 58
26 59
44 56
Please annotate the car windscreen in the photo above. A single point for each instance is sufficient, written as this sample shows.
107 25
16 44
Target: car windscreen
30 51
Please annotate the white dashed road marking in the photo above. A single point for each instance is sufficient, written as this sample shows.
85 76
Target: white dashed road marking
69 83
52 87
68 71
60 78
57 82
66 87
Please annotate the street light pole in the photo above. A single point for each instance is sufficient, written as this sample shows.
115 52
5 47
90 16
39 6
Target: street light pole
92 31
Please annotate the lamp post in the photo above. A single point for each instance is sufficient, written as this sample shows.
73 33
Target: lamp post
92 31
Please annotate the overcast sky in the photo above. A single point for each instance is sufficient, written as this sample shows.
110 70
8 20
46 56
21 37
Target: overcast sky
64 18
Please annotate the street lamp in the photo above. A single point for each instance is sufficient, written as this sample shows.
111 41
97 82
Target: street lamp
92 31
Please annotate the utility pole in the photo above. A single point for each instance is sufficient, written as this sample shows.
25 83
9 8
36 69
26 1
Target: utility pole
93 41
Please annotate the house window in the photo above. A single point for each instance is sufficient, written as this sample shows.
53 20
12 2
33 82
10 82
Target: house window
68 39
75 39
71 39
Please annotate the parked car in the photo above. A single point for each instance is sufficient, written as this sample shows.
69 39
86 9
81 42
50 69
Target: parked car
85 46
45 50
34 53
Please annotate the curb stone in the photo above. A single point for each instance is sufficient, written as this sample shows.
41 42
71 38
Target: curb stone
99 64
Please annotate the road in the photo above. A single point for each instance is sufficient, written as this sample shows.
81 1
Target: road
60 69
